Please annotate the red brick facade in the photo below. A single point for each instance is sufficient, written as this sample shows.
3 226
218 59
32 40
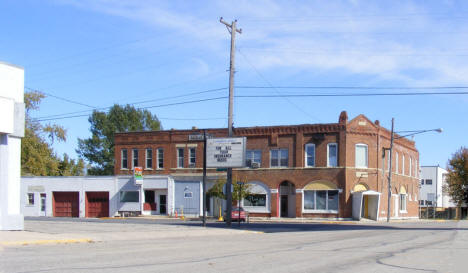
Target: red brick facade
344 177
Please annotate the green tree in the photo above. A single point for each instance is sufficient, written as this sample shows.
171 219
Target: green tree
457 178
37 155
239 192
98 150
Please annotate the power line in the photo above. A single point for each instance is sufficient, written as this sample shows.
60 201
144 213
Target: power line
353 95
142 108
139 102
60 98
275 89
353 87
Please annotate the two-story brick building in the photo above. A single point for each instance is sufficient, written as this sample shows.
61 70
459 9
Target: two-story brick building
333 170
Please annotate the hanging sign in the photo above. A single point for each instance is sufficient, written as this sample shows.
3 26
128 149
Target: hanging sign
225 152
138 175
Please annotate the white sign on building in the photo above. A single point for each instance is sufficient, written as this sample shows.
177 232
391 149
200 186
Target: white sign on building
225 152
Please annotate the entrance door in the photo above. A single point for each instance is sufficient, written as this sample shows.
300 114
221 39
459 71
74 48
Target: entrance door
162 204
284 206
150 200
43 203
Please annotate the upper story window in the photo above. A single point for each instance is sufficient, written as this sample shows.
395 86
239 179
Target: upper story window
279 158
310 155
403 164
388 160
361 156
253 156
422 181
410 166
160 158
192 157
135 158
124 159
428 181
149 158
396 162
180 157
332 154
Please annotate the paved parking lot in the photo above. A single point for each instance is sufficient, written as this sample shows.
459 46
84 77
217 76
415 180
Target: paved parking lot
148 245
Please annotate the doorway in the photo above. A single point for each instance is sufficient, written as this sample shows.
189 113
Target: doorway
287 199
150 201
284 206
162 204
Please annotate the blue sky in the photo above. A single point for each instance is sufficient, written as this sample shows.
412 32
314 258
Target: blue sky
101 52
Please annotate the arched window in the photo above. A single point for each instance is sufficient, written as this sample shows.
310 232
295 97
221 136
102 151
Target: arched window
259 198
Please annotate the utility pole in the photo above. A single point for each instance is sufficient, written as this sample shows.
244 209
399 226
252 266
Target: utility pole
232 30
390 174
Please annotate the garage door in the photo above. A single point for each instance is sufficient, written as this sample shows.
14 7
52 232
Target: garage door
97 204
66 204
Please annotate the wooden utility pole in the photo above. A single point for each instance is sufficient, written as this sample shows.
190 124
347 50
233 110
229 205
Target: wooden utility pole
232 30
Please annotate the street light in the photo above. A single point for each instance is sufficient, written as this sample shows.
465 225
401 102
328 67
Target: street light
409 133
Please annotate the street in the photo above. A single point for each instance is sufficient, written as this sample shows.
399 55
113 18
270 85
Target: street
141 245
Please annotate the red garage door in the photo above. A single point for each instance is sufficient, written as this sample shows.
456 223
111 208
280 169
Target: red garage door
97 204
66 204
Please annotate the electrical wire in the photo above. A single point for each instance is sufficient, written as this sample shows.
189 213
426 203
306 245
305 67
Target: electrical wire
60 98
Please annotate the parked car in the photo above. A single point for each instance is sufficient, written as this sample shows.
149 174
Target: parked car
235 214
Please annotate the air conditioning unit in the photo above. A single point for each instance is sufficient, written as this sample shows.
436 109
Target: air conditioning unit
255 165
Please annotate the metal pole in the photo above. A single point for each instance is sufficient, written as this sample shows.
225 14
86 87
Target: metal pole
232 29
390 175
204 178
239 202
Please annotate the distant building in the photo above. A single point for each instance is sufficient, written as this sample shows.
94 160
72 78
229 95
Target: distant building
431 193
334 170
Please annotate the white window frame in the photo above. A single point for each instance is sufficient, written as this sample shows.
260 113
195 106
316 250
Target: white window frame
150 167
178 157
160 156
367 156
122 159
252 158
30 201
403 165
410 166
403 205
192 155
133 157
328 154
306 164
304 210
279 158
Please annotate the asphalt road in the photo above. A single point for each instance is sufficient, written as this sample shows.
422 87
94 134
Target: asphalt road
139 245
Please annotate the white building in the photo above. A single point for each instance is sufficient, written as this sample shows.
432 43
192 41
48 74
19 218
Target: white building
431 188
11 132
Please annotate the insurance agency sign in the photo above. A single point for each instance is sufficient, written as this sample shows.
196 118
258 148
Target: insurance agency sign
225 152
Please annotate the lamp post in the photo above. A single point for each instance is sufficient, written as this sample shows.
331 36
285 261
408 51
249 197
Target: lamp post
392 139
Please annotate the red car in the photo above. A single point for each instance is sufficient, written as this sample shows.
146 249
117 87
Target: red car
235 214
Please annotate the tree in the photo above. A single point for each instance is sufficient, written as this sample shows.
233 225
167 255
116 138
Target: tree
239 192
457 178
37 155
99 148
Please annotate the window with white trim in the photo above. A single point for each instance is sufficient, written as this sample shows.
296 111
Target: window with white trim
332 155
310 155
279 158
253 156
124 159
129 196
388 160
192 157
149 158
403 164
321 200
361 156
160 158
30 199
403 198
180 157
255 200
410 166
135 158
428 181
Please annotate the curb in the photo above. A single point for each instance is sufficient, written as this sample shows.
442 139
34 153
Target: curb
46 242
